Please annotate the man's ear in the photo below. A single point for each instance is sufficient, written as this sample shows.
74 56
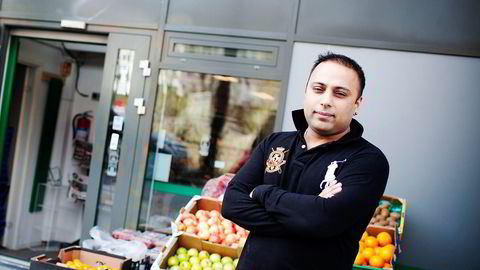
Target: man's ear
358 103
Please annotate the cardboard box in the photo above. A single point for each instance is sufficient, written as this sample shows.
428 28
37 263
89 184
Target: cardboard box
188 241
91 257
398 201
374 231
203 203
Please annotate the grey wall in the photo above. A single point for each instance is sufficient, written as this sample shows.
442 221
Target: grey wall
445 26
252 15
429 25
143 13
421 110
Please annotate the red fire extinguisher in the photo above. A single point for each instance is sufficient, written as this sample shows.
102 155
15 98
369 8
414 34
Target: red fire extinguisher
81 126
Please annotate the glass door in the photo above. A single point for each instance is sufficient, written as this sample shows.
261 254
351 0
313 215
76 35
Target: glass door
203 125
117 123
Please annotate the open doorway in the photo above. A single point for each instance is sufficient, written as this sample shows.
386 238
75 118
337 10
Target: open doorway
47 144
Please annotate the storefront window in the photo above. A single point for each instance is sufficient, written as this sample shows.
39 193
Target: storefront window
204 125
223 52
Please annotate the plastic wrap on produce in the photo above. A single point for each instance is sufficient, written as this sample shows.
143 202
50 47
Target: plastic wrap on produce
216 187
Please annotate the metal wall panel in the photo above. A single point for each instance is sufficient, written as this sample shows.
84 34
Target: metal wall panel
112 12
428 24
253 15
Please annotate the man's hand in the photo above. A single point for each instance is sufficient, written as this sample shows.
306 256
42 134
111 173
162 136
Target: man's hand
331 190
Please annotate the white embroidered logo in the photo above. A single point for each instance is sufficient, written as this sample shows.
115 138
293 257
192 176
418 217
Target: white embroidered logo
330 175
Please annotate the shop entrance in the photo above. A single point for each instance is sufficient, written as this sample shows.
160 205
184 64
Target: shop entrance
65 102
48 135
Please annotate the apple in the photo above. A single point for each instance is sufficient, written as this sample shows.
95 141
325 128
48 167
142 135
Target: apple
214 238
203 225
181 227
175 267
197 267
214 229
194 260
203 255
191 229
217 266
230 239
212 221
241 241
200 213
185 265
173 261
193 252
228 266
206 263
214 213
181 250
207 268
227 231
215 257
234 245
204 235
226 260
182 257
203 218
227 223
235 262
190 222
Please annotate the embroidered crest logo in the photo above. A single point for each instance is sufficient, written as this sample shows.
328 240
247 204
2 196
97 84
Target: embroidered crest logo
275 160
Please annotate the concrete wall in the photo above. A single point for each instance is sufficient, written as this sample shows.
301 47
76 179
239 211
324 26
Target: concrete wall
421 110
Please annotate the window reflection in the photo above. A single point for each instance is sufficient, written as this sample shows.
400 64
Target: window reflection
121 89
222 51
203 124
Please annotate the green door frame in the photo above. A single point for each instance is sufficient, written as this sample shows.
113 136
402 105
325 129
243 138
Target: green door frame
12 52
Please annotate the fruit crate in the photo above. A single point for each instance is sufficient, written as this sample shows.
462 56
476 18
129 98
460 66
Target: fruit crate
87 256
220 230
374 231
188 241
395 206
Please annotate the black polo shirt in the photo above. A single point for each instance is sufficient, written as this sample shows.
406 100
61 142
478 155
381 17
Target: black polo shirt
290 226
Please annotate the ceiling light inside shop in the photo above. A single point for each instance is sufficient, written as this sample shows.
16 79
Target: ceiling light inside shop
225 78
262 95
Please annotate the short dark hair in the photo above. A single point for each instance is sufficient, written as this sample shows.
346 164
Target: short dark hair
344 61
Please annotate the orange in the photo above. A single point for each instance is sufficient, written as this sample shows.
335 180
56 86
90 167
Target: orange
385 253
377 250
371 241
390 247
361 246
364 236
384 239
359 260
368 252
376 261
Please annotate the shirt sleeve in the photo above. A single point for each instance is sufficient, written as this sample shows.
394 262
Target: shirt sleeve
237 205
363 180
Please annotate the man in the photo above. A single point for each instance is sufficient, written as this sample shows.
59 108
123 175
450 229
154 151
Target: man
307 196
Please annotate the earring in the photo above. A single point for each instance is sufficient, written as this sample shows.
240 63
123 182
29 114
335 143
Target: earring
355 113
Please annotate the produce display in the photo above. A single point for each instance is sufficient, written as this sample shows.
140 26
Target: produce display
150 239
200 260
216 187
386 214
211 226
77 264
376 251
